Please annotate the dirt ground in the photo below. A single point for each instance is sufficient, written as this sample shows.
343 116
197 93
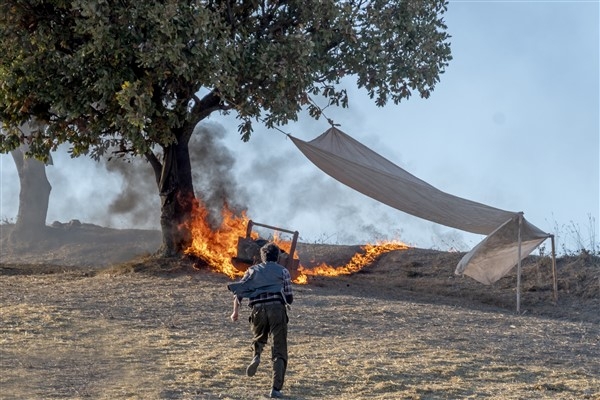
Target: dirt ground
88 313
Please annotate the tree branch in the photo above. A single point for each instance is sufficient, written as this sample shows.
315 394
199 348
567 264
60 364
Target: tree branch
205 106
156 165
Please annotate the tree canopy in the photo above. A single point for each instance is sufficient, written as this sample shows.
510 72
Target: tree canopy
132 75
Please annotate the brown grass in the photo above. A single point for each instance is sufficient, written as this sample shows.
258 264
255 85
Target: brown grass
404 328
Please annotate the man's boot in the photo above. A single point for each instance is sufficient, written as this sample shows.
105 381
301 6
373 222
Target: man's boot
251 370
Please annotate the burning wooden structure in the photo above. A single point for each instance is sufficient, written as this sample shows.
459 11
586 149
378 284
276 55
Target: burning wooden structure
248 250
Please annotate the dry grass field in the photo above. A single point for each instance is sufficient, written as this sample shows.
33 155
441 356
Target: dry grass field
88 316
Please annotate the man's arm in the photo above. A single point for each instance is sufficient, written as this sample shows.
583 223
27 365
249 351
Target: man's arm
236 309
238 300
287 287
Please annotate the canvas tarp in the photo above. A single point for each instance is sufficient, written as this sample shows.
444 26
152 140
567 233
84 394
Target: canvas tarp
362 169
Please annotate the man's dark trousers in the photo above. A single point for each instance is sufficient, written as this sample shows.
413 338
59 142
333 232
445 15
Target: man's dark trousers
271 318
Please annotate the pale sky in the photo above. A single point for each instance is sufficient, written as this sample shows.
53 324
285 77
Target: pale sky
514 123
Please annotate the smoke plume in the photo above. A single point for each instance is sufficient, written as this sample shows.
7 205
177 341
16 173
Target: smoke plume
214 183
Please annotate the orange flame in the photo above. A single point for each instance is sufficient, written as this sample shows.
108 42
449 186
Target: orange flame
357 262
218 246
301 279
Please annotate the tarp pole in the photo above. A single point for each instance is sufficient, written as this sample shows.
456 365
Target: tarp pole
519 266
554 276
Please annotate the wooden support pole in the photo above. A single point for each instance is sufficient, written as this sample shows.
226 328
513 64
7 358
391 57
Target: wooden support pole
291 265
554 275
519 266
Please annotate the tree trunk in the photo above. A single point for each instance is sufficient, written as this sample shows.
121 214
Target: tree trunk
176 193
174 179
34 197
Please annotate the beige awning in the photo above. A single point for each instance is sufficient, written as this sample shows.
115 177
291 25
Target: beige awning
360 168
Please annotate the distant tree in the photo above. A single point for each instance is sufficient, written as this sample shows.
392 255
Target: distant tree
34 193
140 75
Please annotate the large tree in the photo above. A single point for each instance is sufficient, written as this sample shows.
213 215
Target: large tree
139 76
